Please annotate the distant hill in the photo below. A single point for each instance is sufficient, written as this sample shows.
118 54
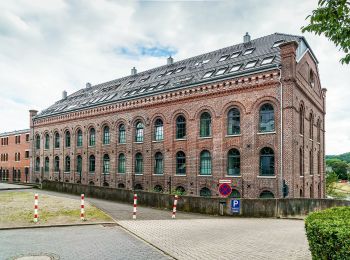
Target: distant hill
344 157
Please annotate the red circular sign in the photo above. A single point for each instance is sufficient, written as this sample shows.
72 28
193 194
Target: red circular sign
225 189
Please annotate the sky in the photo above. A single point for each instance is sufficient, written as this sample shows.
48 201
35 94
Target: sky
50 46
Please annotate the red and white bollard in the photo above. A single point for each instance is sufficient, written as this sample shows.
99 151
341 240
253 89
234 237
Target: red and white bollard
174 207
135 205
36 207
82 208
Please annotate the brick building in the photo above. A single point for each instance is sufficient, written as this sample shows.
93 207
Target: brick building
14 156
252 112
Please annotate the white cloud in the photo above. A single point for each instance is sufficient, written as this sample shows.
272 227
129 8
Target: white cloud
50 46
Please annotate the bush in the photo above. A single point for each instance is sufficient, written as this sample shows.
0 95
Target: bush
328 233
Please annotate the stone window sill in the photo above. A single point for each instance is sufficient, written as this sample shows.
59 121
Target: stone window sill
205 175
234 135
205 137
233 176
267 177
266 133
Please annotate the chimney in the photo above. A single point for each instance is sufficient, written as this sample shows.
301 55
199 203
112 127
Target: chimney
64 94
88 85
133 71
246 38
170 61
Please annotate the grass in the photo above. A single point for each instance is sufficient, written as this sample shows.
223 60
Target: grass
17 208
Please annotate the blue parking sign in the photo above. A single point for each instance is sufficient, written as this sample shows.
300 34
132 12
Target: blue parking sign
235 206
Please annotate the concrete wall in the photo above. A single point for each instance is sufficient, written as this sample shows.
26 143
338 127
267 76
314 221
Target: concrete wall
283 208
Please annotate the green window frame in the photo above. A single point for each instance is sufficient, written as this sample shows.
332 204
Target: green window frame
122 134
266 118
267 162
158 164
47 164
139 131
92 137
138 164
79 163
233 162
233 122
158 130
106 135
121 163
57 140
79 138
205 125
56 164
180 163
37 164
205 163
67 164
67 137
106 164
180 127
92 164
37 141
47 141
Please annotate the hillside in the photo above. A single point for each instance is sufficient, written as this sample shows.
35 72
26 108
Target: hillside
344 157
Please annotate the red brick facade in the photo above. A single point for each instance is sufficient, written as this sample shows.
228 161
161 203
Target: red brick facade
15 156
247 93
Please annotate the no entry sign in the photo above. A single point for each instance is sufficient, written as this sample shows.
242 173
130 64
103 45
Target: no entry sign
225 189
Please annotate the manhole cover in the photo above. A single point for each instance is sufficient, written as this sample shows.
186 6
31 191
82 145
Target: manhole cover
36 257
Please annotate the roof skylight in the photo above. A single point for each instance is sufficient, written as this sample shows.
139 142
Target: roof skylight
134 92
208 74
221 71
142 90
251 64
130 82
206 61
179 69
144 79
248 51
278 43
224 57
169 72
235 54
236 67
267 60
125 94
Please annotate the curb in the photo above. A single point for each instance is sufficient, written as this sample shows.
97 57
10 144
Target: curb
24 188
58 225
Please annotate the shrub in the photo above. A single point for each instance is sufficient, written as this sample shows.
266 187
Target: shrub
328 233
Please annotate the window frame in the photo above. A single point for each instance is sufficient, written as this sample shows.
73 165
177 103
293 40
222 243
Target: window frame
264 113
205 163
205 124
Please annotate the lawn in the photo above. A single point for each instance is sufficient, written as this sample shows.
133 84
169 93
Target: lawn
16 210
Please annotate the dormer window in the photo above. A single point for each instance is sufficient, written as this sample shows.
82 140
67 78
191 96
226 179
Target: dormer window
248 51
235 54
169 72
130 82
221 71
250 64
142 90
125 94
278 43
133 92
208 74
206 61
179 69
312 79
236 68
144 79
267 60
224 57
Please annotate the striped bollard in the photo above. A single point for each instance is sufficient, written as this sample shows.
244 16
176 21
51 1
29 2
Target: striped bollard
82 208
174 207
36 207
135 204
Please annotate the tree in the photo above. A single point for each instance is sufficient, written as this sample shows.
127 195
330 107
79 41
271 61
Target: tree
331 180
332 18
339 167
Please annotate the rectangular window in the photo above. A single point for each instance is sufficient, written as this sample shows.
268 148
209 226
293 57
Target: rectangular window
26 154
27 137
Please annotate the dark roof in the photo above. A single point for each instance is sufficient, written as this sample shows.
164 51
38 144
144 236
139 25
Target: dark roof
16 132
179 74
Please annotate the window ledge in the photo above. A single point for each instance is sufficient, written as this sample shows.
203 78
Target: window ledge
66 172
121 173
91 146
139 142
180 139
106 144
302 176
301 135
154 174
205 137
122 143
267 177
234 135
205 175
233 176
138 174
311 139
180 175
158 141
266 133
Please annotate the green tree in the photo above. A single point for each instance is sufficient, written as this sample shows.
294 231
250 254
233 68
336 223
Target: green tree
331 180
339 167
332 19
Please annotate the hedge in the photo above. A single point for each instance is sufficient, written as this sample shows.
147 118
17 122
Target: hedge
328 233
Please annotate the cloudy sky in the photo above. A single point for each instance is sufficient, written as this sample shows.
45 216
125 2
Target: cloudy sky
50 46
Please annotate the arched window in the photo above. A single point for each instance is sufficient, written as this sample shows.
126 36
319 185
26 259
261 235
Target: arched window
121 185
312 79
139 131
233 122
267 162
318 163
205 192
92 164
37 164
158 188
158 163
205 125
138 163
180 190
233 162
67 139
122 135
311 129
57 140
67 164
57 164
121 163
47 164
79 163
37 141
106 135
267 118
266 195
92 137
235 194
105 169
301 162
311 163
79 138
47 141
138 186
205 163
158 130
180 163
301 119
318 130
180 127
